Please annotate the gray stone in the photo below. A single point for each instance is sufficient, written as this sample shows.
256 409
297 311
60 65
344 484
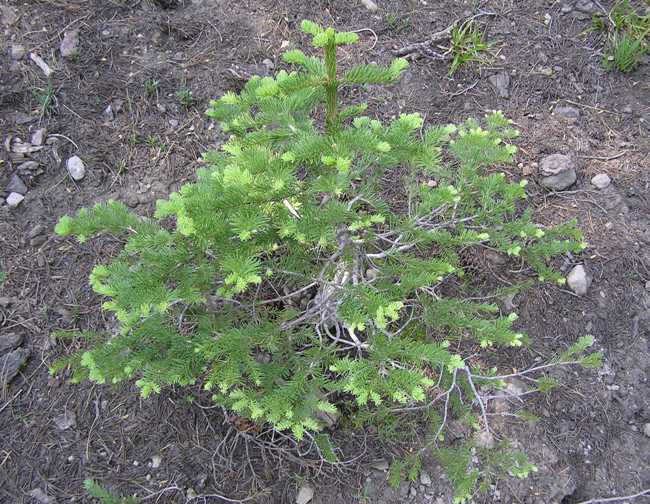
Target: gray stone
156 460
173 123
22 118
66 421
70 44
38 137
16 185
305 494
425 479
558 172
14 199
501 83
76 168
41 497
38 229
566 8
601 181
380 465
646 429
11 363
268 64
579 280
9 341
586 6
370 5
27 167
569 113
17 51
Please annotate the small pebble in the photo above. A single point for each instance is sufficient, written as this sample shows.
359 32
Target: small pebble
70 44
76 168
14 199
601 181
17 51
579 280
156 460
646 429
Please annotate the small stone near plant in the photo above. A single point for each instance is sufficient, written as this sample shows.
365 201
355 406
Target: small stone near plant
38 229
305 494
66 421
14 199
501 83
558 172
11 363
425 479
579 280
41 497
16 185
76 168
10 341
70 44
38 137
601 181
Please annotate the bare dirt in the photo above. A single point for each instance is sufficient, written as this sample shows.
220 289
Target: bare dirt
135 55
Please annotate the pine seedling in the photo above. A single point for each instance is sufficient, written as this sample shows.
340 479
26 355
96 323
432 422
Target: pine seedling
283 282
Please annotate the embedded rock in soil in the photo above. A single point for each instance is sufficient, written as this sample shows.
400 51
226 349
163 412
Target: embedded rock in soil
558 172
66 420
11 363
76 168
70 44
586 6
27 167
601 181
14 199
41 497
16 185
38 229
571 114
17 51
38 137
305 494
370 5
9 341
425 479
501 83
579 280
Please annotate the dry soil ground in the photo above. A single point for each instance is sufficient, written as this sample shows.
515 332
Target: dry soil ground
134 56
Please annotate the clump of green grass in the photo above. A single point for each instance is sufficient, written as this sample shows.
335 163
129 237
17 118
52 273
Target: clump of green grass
468 45
627 41
624 52
98 492
46 98
185 97
396 22
151 87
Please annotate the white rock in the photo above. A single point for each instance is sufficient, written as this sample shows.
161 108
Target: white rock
14 199
425 479
601 181
76 168
305 494
38 137
70 44
66 421
579 280
156 460
646 429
